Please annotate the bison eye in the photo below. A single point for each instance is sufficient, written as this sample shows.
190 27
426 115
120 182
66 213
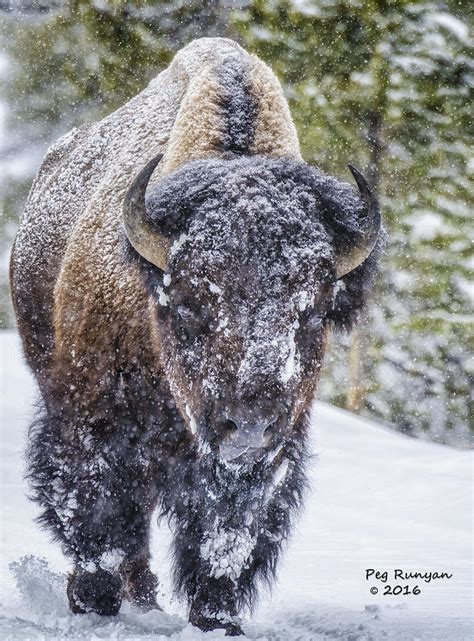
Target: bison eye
316 320
188 324
187 314
313 319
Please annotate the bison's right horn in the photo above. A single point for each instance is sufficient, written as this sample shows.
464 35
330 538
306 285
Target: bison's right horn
140 232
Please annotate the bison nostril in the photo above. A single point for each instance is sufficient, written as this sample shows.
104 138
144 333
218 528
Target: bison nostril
271 428
228 429
274 426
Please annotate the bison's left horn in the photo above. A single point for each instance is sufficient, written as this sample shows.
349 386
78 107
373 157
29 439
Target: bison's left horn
140 232
351 259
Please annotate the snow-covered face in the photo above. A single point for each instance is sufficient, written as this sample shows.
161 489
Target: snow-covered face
241 312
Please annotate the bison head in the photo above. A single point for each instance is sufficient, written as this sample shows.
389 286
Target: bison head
250 254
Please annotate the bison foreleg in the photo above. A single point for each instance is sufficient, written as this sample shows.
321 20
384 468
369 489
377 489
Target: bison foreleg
230 533
97 500
213 598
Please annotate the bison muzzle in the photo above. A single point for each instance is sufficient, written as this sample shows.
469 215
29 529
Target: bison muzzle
175 276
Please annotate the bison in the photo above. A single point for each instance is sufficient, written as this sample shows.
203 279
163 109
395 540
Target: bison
175 275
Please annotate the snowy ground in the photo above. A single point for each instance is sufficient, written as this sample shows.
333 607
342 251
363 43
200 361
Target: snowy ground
379 501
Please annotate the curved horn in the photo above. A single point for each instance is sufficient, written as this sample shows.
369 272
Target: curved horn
351 259
140 232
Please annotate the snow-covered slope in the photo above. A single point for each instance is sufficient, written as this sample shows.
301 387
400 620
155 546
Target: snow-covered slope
379 501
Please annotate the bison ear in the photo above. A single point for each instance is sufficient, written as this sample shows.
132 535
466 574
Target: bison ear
143 236
369 230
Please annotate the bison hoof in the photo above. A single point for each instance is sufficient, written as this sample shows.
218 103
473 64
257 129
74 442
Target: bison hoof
207 624
99 592
140 584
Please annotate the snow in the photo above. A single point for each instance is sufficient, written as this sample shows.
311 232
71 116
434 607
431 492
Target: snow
192 420
457 27
426 225
466 288
291 363
278 477
227 551
112 559
176 246
163 298
306 7
379 501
